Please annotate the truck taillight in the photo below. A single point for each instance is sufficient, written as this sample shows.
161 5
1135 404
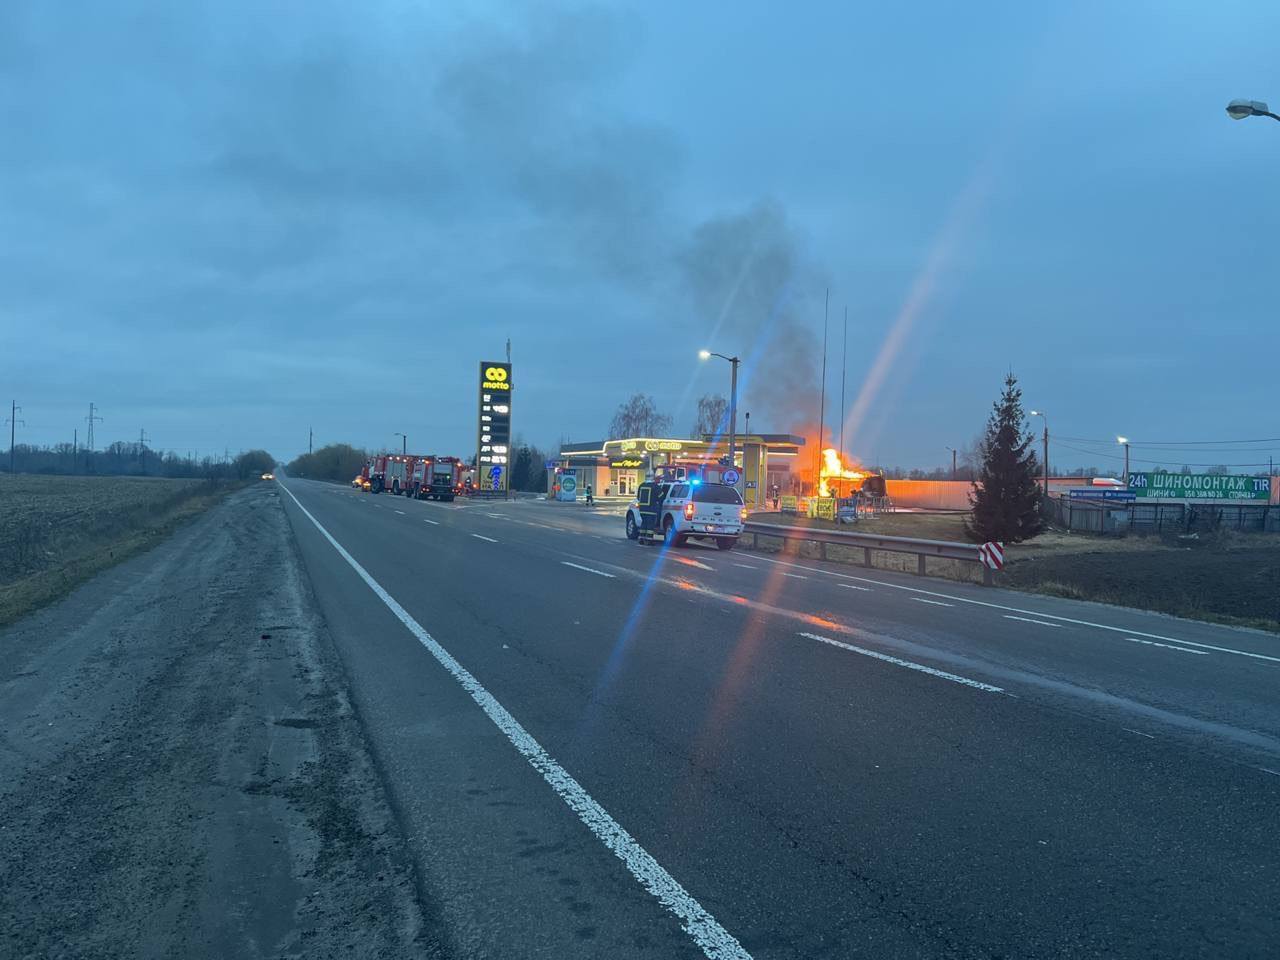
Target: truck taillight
688 510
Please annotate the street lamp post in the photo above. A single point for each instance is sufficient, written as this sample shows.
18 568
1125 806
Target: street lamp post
1040 414
1239 109
1124 442
953 461
733 401
404 443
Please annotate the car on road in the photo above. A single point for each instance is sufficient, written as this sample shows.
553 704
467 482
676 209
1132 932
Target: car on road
268 476
684 509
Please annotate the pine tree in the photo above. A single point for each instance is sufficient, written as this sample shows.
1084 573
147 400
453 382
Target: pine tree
1006 497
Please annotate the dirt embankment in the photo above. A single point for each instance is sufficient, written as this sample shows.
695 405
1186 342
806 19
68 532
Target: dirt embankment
57 532
181 773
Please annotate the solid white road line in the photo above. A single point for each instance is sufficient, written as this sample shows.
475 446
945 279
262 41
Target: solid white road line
909 664
598 573
746 566
854 586
434 523
1032 613
936 603
1168 646
714 940
481 536
795 576
1043 623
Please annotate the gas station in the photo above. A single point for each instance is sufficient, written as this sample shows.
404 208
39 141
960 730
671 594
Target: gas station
614 468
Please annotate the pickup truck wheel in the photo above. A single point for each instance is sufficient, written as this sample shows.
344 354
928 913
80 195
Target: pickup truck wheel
633 532
669 534
726 543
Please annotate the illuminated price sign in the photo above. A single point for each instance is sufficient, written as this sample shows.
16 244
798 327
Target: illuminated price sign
493 457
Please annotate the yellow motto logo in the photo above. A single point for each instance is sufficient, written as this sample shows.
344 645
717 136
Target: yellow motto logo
495 373
495 378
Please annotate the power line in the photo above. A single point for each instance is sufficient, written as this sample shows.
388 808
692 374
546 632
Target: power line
1173 443
1116 456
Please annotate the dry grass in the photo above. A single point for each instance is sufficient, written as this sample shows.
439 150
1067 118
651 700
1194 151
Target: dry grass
57 532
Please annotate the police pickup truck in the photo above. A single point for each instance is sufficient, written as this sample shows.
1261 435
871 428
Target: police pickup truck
682 509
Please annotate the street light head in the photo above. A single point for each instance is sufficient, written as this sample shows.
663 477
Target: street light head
1036 413
704 354
1122 439
1239 109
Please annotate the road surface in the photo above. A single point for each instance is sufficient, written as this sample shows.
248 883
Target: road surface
828 761
546 741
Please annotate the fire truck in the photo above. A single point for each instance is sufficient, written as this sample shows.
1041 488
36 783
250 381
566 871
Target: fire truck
436 478
390 472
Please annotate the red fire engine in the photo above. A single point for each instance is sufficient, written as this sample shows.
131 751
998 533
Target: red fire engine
436 478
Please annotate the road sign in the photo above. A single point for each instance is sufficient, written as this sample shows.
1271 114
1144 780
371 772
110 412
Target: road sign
731 477
1102 493
1199 486
991 554
494 436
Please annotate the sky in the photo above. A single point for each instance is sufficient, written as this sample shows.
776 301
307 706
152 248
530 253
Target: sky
231 223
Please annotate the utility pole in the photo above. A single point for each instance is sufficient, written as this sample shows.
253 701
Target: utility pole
142 448
75 447
311 436
822 398
14 410
953 462
93 416
844 372
1042 416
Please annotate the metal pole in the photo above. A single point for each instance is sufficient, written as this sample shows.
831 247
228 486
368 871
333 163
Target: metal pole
733 412
1046 457
953 463
13 424
1126 464
844 372
822 399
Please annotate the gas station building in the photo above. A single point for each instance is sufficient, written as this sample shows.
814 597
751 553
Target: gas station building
614 468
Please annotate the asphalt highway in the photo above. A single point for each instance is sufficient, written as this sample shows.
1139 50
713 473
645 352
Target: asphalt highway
597 748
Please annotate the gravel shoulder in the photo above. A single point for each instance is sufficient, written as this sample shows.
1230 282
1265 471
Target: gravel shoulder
181 771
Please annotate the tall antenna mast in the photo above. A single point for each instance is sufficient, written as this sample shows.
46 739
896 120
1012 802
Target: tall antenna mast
822 402
844 371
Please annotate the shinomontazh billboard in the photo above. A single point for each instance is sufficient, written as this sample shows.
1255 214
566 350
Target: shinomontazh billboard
1199 486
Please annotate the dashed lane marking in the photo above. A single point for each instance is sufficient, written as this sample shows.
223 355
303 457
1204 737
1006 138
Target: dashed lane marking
1168 646
401 512
714 940
434 523
481 536
1043 623
598 573
854 586
936 603
909 664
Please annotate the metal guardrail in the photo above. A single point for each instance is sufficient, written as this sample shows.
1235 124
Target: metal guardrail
921 549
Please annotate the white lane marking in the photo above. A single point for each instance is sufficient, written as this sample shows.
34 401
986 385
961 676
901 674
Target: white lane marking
909 664
434 523
401 512
598 573
496 516
714 940
481 536
694 563
936 603
854 586
746 566
1138 732
795 576
1033 613
1043 623
1168 646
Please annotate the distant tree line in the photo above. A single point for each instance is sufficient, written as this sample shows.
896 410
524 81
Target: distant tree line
337 461
133 460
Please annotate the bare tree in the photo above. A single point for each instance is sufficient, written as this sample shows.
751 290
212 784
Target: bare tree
639 417
713 415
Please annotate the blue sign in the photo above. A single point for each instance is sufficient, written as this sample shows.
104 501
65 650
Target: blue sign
731 477
1102 493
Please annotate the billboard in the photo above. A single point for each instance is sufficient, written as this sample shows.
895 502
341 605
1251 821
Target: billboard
1199 486
493 454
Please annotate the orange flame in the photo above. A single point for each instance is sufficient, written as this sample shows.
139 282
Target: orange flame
834 469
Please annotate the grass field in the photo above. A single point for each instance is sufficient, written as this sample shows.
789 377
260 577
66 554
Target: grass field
56 532
1227 577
